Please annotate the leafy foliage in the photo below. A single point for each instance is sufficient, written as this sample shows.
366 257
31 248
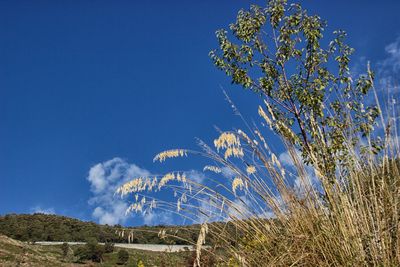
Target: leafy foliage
313 102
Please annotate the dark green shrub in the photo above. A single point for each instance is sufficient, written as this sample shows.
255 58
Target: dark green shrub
91 251
123 257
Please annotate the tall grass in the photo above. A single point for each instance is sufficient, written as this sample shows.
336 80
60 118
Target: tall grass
286 214
287 209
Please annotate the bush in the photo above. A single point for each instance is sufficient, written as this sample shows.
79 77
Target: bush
108 247
80 254
90 251
123 256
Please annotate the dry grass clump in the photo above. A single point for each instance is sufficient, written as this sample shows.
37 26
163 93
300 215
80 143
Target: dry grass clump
332 199
291 215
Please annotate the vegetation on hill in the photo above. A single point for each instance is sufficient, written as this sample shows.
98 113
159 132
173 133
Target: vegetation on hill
16 253
45 227
48 227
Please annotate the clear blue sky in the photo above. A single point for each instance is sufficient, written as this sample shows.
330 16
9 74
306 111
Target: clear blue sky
83 82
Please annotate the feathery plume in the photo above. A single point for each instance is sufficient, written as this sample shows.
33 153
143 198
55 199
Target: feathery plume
250 169
173 153
262 113
226 140
237 182
200 242
165 179
212 168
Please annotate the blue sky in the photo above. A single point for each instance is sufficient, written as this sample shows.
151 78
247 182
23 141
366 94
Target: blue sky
113 83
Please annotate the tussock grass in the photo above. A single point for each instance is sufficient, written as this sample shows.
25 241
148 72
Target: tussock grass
333 198
289 216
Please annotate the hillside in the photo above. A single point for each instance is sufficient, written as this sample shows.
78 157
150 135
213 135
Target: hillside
44 227
16 253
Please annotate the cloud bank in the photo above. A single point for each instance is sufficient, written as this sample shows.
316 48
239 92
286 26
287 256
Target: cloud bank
104 179
109 208
389 68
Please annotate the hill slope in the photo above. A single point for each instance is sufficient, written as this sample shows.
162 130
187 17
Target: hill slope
45 227
16 253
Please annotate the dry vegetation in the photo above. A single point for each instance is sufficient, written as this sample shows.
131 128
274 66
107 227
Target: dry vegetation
333 199
16 253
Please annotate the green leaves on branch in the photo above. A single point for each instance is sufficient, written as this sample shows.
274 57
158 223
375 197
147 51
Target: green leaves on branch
278 52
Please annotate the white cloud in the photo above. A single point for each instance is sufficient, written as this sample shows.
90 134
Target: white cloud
112 214
392 62
96 178
239 209
389 77
388 69
359 67
288 162
196 176
227 172
39 209
157 218
108 208
207 211
104 179
243 208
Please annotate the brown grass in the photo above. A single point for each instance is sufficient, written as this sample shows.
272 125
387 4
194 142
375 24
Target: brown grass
287 213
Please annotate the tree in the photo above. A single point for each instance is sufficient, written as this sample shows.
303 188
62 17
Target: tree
94 250
123 256
310 97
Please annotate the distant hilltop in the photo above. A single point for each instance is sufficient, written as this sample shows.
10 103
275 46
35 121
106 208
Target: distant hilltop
48 227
